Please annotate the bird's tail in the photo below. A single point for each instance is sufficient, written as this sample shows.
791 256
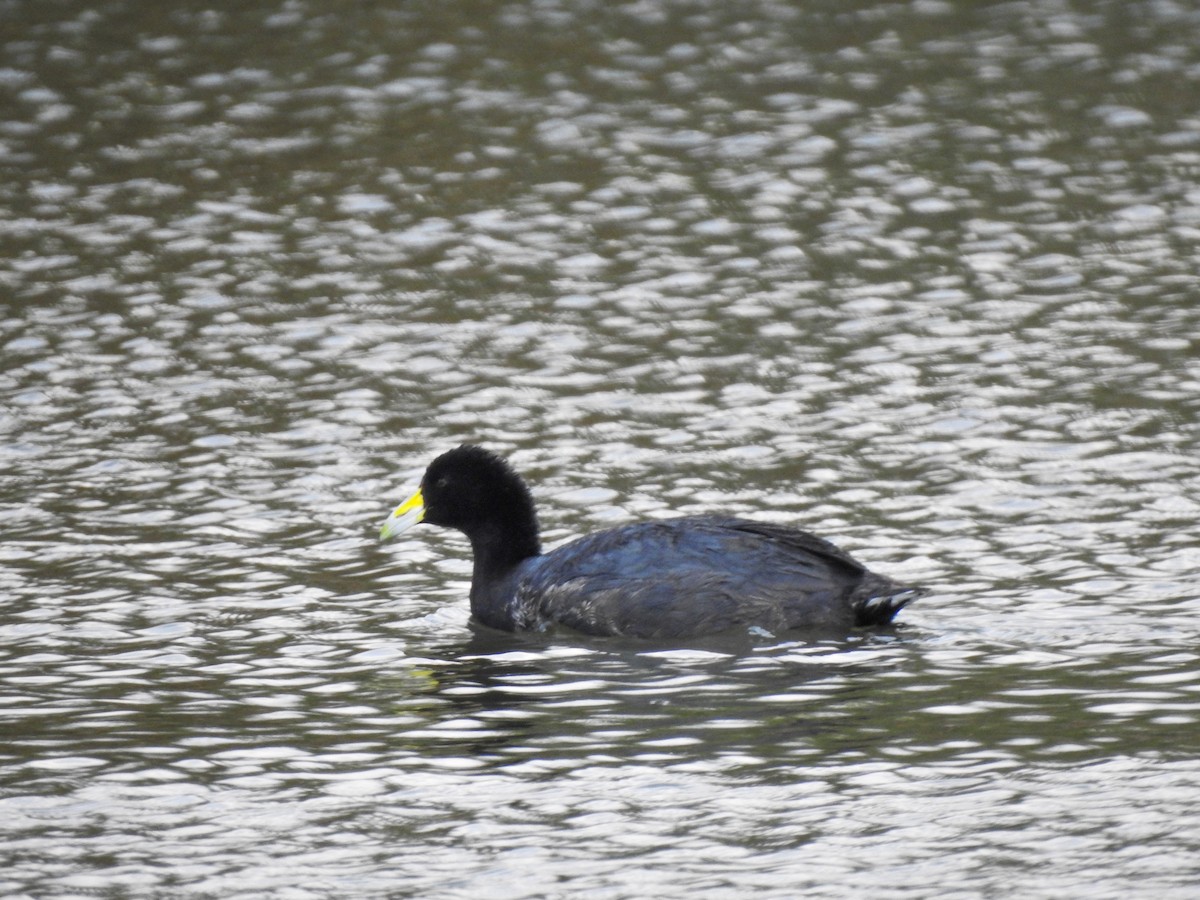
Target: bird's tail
878 602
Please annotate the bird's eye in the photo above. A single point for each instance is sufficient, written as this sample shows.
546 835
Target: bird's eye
441 482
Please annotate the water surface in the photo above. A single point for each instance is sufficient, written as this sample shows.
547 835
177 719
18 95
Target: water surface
919 277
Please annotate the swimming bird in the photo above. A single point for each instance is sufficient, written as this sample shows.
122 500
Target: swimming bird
668 578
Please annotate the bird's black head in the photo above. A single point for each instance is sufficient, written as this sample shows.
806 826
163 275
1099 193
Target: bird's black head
478 493
469 485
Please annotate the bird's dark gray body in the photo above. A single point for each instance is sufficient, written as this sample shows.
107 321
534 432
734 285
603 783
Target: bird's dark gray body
669 578
689 576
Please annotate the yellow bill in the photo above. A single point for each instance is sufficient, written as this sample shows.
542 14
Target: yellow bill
404 517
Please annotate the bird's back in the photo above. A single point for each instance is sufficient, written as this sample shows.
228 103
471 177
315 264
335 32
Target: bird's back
699 575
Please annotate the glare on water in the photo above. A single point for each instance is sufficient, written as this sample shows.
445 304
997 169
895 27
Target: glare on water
920 278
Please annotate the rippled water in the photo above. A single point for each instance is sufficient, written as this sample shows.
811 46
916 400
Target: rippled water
920 277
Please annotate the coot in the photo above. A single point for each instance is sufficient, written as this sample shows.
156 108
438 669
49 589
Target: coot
682 577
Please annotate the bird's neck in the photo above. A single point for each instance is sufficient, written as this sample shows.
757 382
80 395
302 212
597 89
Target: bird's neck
499 546
498 557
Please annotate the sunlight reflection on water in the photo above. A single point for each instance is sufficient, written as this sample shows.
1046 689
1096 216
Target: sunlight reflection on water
917 277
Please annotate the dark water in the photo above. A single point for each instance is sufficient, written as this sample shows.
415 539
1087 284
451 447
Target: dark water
921 277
